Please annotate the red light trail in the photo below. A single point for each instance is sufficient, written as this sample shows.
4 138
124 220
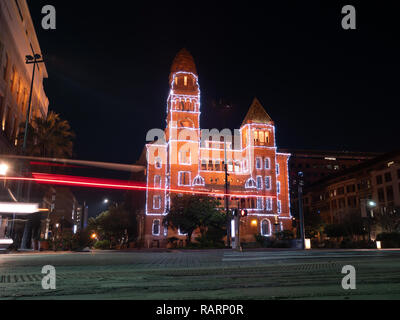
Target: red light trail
72 181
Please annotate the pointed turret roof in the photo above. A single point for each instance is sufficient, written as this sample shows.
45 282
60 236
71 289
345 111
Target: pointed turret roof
257 114
184 62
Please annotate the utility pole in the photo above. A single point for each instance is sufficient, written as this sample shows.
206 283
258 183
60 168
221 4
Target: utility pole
301 214
228 215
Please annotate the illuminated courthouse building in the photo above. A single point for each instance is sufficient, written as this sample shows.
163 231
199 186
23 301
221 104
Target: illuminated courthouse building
191 160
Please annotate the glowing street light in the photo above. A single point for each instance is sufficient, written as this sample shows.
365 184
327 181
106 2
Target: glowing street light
3 169
106 201
372 204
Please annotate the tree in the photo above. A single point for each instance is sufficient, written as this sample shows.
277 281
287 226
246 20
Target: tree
389 221
191 212
112 224
48 137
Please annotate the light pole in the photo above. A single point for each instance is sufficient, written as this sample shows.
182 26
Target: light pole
301 213
35 59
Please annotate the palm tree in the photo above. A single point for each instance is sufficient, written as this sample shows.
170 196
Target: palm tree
48 137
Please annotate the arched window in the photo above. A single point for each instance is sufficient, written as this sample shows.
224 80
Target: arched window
198 181
251 184
265 228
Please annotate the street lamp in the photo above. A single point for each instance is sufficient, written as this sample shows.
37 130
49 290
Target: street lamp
106 201
3 169
35 59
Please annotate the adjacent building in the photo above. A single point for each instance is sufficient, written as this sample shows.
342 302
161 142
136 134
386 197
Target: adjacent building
17 40
370 187
186 159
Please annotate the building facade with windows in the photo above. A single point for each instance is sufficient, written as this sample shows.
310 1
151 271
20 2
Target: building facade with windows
17 40
351 191
185 159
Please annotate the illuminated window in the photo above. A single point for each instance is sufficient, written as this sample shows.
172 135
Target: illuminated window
268 183
255 136
157 202
267 137
184 178
186 81
265 228
237 166
230 166
176 80
157 182
258 163
184 157
261 136
156 227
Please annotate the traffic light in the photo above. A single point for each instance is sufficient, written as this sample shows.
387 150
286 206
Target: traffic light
243 213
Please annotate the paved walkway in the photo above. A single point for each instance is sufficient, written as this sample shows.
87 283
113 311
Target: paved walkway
213 274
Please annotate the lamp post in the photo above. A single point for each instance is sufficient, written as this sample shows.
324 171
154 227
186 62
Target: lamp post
301 214
35 59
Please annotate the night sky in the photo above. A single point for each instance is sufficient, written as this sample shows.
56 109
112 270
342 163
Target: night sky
325 88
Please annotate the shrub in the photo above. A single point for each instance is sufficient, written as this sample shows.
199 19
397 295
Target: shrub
102 245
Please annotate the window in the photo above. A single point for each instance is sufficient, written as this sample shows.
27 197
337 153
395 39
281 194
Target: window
340 191
261 136
277 169
157 202
204 165
258 164
259 183
184 157
218 165
157 182
379 180
268 183
265 228
351 188
279 206
381 195
158 163
250 184
255 136
184 178
185 81
267 163
165 229
278 187
260 203
389 193
156 227
237 166
388 177
269 204
245 165
230 166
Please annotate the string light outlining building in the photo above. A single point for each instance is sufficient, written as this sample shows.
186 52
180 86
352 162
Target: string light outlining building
190 159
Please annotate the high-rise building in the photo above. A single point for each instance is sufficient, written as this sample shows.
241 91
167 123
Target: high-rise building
17 40
190 160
